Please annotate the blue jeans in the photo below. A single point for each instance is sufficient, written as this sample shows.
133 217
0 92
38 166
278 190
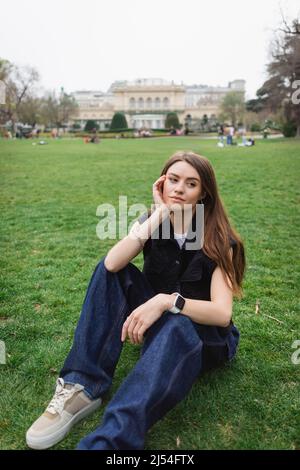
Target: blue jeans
170 361
229 140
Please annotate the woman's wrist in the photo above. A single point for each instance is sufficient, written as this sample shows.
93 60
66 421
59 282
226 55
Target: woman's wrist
162 209
167 301
141 232
137 234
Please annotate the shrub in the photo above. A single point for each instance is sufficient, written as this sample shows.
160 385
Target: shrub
118 122
90 125
289 129
172 121
255 127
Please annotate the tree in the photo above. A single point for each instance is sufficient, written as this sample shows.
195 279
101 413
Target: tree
279 92
118 122
22 104
233 106
19 86
30 111
49 110
90 125
255 105
172 121
5 69
67 108
57 112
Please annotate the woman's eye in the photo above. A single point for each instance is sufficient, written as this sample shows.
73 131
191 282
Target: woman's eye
173 180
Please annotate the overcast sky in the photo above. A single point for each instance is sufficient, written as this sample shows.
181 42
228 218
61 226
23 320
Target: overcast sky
88 45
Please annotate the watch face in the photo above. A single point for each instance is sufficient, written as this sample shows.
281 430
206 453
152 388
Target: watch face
180 301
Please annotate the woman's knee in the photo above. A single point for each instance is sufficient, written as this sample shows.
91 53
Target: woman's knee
178 321
129 267
174 326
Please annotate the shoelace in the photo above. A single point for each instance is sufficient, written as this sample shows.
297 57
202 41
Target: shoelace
61 395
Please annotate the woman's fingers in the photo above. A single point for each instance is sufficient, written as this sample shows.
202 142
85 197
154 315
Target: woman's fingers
160 180
128 328
125 329
135 333
157 189
124 333
141 333
134 329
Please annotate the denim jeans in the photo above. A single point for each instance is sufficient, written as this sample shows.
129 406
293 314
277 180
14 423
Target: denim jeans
229 140
170 360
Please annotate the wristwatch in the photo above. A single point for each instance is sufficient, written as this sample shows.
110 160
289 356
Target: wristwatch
178 303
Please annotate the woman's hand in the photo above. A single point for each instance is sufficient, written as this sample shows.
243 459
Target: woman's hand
158 197
158 191
144 316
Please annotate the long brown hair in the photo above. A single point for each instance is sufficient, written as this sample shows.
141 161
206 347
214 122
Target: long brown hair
218 230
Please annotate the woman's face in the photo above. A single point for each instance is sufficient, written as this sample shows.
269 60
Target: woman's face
182 184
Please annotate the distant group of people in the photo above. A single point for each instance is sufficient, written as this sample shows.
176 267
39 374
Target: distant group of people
94 139
7 135
28 132
142 133
185 131
228 133
25 133
56 133
174 131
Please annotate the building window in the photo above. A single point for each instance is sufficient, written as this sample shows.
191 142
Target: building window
157 103
149 103
166 103
132 103
141 103
157 124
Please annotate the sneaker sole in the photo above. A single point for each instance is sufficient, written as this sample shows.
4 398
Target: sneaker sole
40 443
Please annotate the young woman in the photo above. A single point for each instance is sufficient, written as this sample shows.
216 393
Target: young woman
179 308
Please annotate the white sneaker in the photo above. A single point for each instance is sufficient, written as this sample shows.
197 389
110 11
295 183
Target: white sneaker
68 406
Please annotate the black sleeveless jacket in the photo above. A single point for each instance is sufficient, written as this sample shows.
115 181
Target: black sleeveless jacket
171 269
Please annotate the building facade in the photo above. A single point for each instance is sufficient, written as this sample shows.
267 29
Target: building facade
146 102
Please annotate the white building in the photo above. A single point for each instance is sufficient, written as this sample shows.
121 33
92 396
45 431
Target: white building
146 102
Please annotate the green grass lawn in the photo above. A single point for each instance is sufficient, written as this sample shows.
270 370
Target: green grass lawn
49 197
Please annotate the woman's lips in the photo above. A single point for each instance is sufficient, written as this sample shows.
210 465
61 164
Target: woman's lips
177 199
